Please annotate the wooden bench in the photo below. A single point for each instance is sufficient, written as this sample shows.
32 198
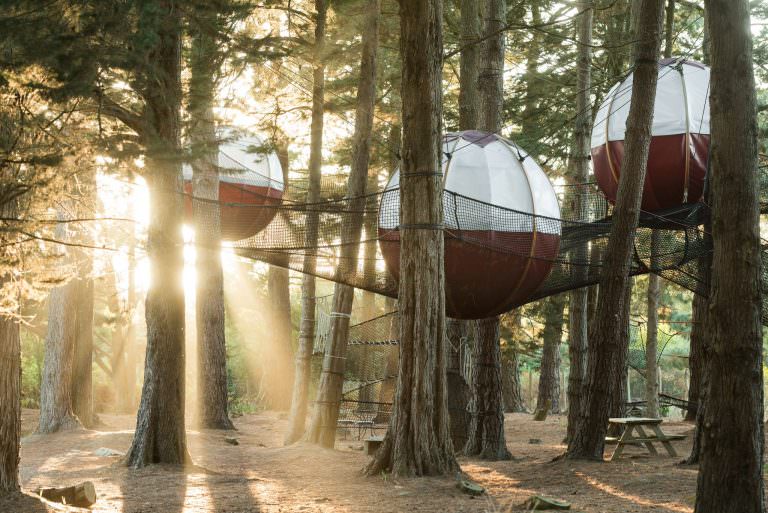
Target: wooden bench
637 424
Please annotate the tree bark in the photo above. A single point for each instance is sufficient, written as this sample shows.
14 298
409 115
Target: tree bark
280 372
469 104
491 97
578 172
10 402
605 350
82 375
651 343
732 438
418 440
549 376
512 386
326 412
56 388
209 295
160 435
459 392
486 431
303 369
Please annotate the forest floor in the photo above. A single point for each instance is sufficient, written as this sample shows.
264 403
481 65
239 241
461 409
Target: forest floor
260 475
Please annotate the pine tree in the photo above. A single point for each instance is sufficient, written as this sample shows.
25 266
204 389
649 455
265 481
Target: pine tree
322 428
732 438
418 438
604 366
298 411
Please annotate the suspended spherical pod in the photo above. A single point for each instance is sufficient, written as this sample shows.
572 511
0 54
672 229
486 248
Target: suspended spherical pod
502 225
677 162
250 182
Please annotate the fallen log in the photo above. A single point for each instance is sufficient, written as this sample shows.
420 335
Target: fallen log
81 495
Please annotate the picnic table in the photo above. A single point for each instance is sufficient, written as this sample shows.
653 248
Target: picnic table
637 424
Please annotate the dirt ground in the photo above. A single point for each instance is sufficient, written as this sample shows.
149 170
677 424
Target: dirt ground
260 475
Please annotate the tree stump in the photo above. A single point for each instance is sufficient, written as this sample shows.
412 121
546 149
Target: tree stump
82 495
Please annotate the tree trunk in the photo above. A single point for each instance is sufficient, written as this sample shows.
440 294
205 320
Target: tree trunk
209 295
651 343
512 388
549 377
491 97
486 432
605 350
578 171
469 105
160 435
82 377
459 392
326 413
302 375
56 389
280 372
418 440
732 438
10 403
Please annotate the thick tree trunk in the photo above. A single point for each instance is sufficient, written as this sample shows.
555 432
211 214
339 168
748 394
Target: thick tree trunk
56 389
418 440
10 403
578 172
209 295
732 438
82 373
326 413
486 432
605 350
303 369
512 387
549 377
160 435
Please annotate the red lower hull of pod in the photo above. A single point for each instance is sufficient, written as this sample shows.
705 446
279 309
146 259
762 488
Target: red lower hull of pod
245 209
665 180
487 272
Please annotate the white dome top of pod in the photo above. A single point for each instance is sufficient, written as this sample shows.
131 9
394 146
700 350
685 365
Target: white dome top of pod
490 169
242 161
682 103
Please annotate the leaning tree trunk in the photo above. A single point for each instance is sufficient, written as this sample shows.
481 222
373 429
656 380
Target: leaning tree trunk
578 172
279 297
486 433
418 440
732 438
549 378
303 370
326 413
160 435
56 388
605 350
10 399
209 295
